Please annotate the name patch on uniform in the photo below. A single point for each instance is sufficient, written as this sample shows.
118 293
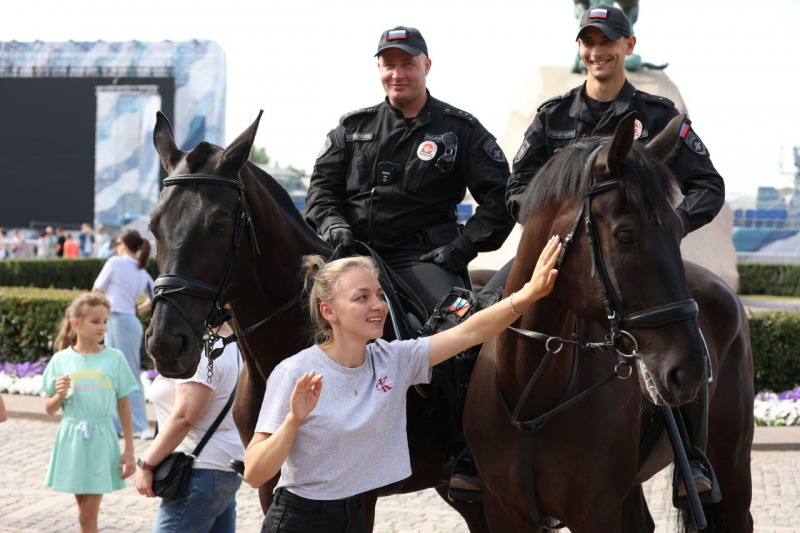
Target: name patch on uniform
522 150
434 138
556 134
356 136
598 14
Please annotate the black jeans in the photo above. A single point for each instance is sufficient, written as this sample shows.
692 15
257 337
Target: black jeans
290 512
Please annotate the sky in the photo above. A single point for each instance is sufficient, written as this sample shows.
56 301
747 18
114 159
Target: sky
308 63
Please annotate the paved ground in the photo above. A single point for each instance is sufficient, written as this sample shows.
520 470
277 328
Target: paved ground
27 506
754 303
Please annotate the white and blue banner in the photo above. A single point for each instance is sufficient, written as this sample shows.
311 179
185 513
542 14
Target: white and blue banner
126 163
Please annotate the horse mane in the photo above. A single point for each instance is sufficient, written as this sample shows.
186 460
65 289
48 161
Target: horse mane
283 201
648 186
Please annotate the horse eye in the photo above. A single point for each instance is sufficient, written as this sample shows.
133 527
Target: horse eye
221 229
624 237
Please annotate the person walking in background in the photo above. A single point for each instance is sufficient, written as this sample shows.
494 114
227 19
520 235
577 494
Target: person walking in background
124 280
86 241
186 408
60 239
101 242
71 248
17 245
3 250
86 380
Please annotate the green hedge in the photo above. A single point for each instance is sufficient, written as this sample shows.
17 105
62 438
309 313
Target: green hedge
775 338
778 280
29 319
55 273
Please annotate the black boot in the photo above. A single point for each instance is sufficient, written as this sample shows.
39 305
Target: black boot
695 419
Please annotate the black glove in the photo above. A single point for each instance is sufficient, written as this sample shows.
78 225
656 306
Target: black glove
448 257
341 235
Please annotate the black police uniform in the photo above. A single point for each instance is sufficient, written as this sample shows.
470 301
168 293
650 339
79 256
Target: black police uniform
565 119
369 176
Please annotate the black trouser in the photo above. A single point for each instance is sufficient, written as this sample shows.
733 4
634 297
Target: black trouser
290 512
429 281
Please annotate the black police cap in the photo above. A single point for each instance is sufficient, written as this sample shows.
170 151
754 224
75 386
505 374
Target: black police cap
407 39
608 19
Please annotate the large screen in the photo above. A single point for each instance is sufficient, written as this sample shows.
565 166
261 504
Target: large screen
47 144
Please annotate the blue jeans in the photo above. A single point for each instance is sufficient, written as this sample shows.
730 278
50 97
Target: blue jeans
209 505
125 334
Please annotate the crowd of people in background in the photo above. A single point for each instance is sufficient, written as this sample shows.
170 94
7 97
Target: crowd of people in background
49 243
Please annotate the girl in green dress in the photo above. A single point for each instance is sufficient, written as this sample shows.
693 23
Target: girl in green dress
87 380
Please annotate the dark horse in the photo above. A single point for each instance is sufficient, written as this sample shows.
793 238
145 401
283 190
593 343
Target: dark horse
586 469
195 226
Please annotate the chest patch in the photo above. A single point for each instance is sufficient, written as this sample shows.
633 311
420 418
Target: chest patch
356 136
561 134
433 138
427 150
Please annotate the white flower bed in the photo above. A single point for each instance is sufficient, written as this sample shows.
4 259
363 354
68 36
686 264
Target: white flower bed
769 409
32 385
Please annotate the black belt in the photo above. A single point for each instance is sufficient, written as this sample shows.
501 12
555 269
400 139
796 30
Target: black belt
284 497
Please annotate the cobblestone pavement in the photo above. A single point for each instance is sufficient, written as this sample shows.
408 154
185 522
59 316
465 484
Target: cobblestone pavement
26 505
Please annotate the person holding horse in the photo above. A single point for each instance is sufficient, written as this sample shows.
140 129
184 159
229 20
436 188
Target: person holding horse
391 175
305 431
596 108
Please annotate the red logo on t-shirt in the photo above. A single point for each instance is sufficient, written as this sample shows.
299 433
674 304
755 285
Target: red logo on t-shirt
382 386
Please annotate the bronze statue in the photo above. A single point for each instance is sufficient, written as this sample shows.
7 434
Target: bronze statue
634 62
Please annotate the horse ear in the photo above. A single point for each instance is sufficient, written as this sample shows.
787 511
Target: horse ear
164 141
237 153
616 150
665 142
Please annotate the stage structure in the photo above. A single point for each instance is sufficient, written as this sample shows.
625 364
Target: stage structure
77 119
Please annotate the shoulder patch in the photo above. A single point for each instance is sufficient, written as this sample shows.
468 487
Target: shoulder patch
361 111
325 147
522 150
653 99
553 100
694 143
493 150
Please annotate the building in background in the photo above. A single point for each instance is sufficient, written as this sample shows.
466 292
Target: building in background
77 118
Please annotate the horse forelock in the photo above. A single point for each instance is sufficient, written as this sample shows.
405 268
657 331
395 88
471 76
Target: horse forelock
648 186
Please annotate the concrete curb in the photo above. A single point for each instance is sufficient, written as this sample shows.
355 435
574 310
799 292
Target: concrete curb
766 439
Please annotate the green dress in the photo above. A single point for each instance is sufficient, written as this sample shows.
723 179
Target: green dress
86 456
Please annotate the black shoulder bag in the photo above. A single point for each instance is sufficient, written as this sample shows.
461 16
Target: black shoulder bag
171 476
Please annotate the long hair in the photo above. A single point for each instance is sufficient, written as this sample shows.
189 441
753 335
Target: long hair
325 285
67 336
134 242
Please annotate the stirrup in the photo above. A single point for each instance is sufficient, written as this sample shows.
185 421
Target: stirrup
466 487
708 497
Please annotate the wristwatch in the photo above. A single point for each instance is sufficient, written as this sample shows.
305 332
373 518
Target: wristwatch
141 463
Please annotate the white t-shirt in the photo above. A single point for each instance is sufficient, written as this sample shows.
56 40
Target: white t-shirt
124 282
350 443
225 444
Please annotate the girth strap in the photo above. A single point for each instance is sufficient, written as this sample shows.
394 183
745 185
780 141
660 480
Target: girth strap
661 315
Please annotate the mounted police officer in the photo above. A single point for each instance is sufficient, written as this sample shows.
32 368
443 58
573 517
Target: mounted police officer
595 108
391 175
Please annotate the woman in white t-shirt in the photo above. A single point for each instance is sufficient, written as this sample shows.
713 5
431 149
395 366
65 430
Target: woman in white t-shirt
186 408
308 435
124 280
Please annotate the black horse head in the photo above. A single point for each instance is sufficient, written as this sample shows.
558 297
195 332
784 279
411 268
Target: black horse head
198 225
635 264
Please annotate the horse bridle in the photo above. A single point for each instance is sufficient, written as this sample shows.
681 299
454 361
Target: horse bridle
620 320
167 285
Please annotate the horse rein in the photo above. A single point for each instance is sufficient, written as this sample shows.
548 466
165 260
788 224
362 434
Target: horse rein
620 322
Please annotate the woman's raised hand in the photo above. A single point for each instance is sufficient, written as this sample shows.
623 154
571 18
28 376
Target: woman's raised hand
305 395
544 275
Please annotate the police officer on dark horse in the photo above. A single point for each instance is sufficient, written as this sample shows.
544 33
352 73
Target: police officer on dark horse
595 108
